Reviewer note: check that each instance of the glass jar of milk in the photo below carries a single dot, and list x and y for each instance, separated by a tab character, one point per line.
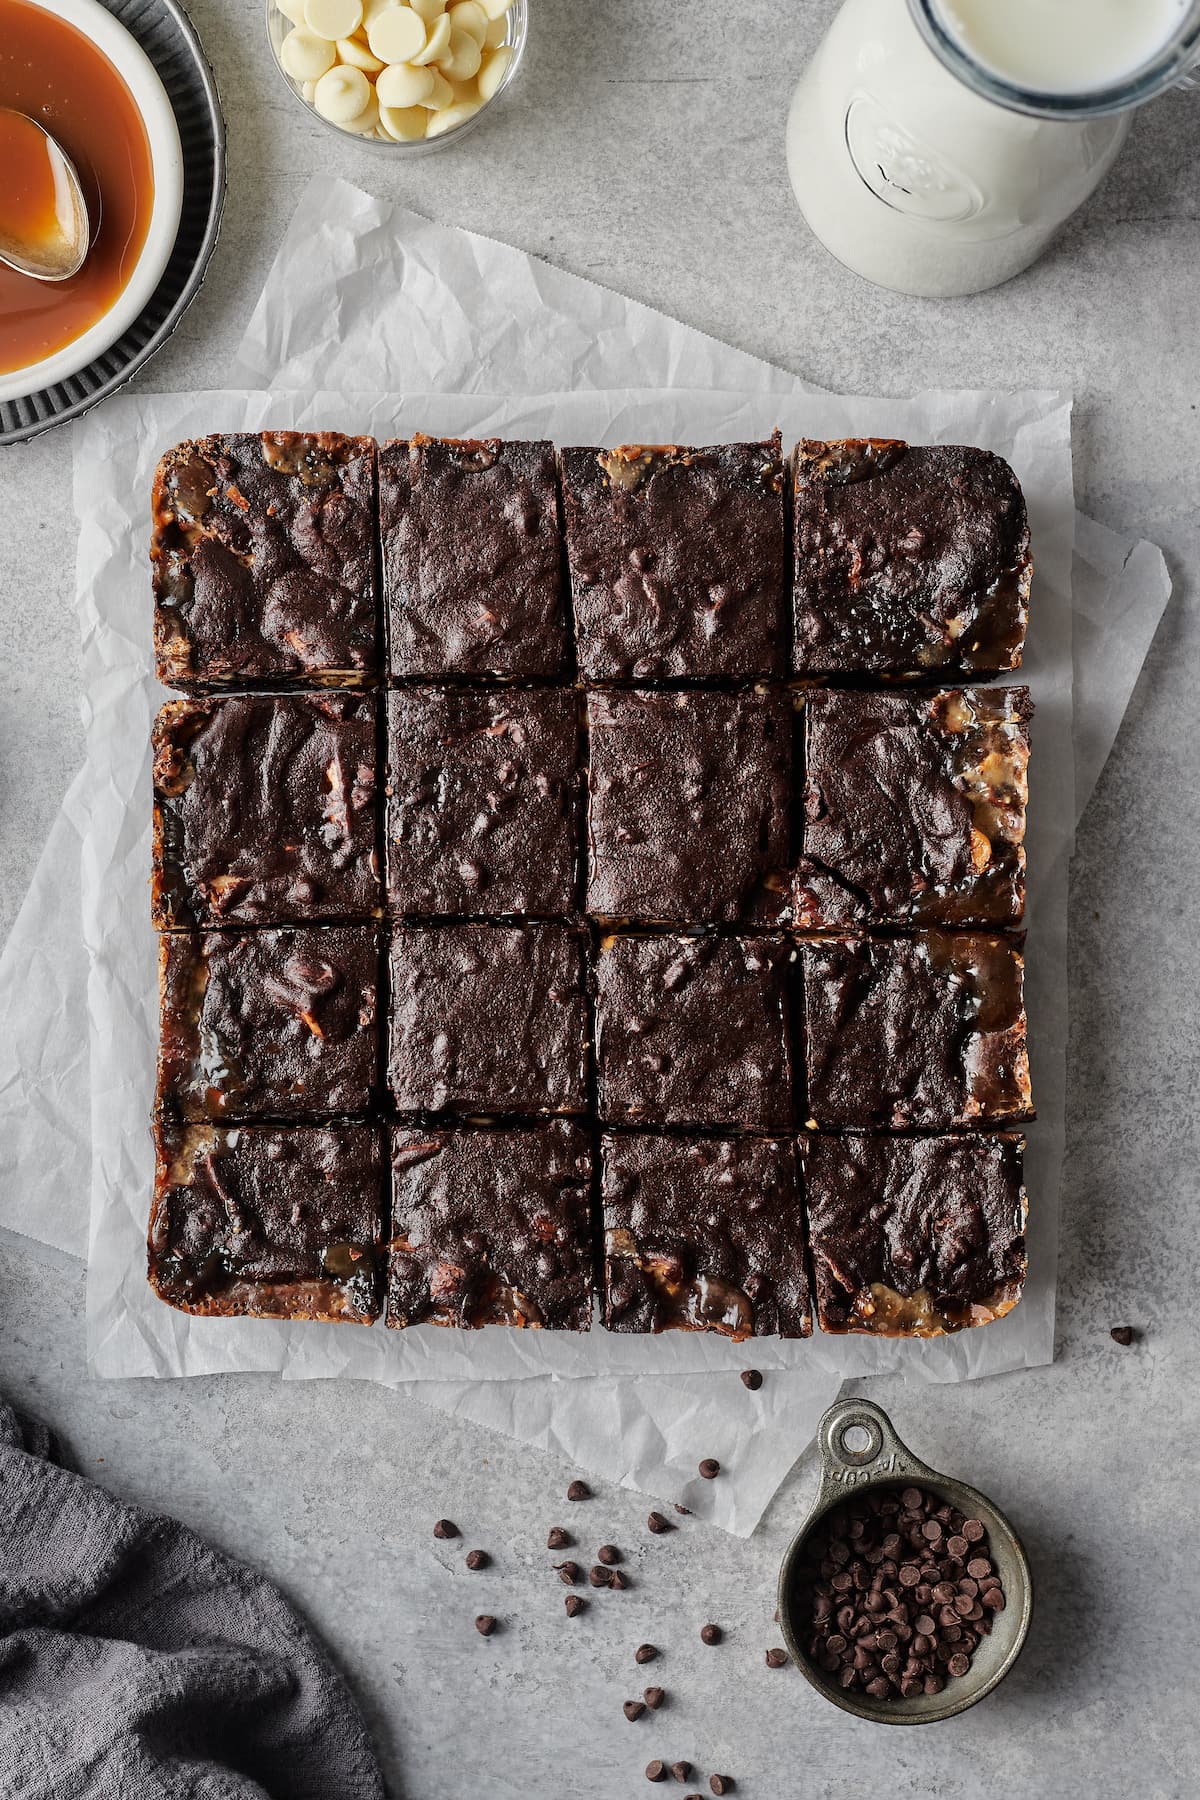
935	147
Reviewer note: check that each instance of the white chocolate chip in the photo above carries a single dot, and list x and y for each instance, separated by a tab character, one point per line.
495	9
452	116
464	58
291	9
333	19
403	123
351	50
305	56
365	122
429	10
402	86
440	95
342	94
438	44
497	31
396	35
307	90
468	16
494	69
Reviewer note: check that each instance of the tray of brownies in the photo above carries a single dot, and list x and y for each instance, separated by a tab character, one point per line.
590	884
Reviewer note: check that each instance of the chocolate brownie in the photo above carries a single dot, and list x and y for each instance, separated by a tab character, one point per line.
487	1019
268	1024
482	802
264	811
910	560
677	561
472	558
491	1228
688	806
913	1237
924	1032
704	1234
263	555
694	1031
273	1224
914	809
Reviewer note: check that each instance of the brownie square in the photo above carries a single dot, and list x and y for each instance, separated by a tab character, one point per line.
914	809
482	801
491	1228
704	1234
263	553
910	560
487	1019
915	1237
271	1224
924	1032
264	811
268	1024
472	558
688	806
694	1031
677	562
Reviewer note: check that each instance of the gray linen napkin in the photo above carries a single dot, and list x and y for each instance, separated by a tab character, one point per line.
137	1663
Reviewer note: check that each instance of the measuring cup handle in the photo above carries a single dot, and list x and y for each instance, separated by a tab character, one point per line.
883	1457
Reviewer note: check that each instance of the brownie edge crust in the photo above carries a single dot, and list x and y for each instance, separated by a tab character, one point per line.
271	1224
910	560
263	561
490	1228
704	1234
916	1237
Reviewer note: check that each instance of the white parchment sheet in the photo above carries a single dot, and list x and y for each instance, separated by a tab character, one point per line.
372	298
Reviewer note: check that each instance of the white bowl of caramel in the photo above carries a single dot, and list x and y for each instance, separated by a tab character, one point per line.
71	66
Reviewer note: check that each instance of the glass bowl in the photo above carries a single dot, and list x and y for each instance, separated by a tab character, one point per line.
517	21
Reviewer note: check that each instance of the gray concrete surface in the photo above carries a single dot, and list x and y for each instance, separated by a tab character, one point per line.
644	148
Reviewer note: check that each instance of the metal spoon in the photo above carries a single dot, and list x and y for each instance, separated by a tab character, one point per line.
61	252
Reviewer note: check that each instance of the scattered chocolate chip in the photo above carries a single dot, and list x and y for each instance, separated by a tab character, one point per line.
558	1538
574	1604
579	1490
657	1524
685	1510
645	1653
654	1697
608	1553
478	1559
445	1528
485	1624
776	1659
721	1784
633	1709
752	1378
617	1580
681	1770
1123	1335
710	1468
568	1573
598	1576
656	1771
711	1634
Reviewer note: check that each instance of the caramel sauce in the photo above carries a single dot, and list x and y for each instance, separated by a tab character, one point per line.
51	71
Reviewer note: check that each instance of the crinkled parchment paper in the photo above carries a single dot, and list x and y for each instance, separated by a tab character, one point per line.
375	306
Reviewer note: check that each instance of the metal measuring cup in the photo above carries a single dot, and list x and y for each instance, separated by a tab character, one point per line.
885	1462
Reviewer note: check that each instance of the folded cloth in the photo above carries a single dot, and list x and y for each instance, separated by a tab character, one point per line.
137	1663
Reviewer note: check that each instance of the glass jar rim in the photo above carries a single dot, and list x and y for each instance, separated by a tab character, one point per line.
1167	67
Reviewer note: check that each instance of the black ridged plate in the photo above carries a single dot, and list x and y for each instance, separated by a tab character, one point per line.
167	35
